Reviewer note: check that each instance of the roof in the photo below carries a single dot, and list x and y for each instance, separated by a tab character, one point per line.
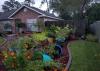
44	12
9	14
5	15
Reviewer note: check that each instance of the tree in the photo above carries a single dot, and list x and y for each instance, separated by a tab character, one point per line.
10	5
71	6
29	2
46	1
93	13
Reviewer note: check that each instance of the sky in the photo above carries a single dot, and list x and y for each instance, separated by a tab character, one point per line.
37	4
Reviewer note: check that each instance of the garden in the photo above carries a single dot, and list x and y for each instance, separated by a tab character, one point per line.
38	51
1	40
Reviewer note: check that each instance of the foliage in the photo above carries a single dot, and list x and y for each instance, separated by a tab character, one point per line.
60	32
10	5
16	62
29	2
50	50
40	65
65	15
1	40
21	62
25	40
39	36
8	62
93	13
37	55
35	66
63	32
64	6
31	59
91	38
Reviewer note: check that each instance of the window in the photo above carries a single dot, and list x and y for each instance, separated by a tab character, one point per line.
32	25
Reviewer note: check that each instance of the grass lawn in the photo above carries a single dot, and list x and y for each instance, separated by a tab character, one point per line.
85	56
1	40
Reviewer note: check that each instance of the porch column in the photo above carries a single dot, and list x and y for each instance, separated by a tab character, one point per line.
13	26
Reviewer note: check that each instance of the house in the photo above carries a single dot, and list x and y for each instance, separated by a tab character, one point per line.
27	16
96	1
95	27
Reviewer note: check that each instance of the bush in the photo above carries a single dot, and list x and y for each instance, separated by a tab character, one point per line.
39	36
60	32
91	38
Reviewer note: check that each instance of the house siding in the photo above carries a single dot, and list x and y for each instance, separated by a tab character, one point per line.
26	15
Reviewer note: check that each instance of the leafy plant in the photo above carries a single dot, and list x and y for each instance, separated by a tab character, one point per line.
10	63
63	32
50	50
59	32
39	36
41	66
37	55
35	66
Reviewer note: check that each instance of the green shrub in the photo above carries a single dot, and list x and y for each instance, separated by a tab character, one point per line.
91	38
37	55
60	32
39	36
40	65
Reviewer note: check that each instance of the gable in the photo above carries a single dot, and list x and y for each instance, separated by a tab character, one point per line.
25	12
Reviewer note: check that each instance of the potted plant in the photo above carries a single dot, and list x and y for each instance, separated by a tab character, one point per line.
51	37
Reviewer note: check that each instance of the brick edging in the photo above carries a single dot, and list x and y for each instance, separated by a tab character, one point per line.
5	40
70	58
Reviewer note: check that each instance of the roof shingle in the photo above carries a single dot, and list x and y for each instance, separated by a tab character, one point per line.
5	15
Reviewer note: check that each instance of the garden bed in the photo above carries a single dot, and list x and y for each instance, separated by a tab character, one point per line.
45	51
34	54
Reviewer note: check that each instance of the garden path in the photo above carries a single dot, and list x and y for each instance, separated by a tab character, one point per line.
8	40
